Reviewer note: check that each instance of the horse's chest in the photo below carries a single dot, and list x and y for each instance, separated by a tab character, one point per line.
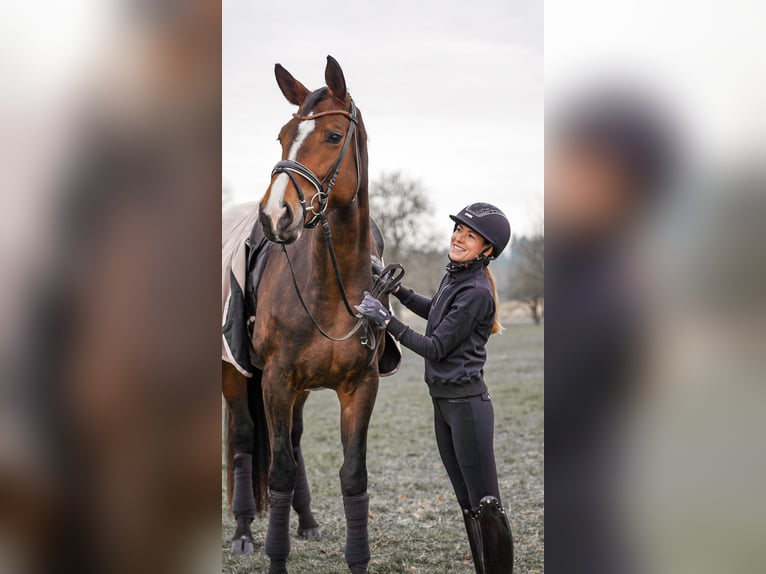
326	365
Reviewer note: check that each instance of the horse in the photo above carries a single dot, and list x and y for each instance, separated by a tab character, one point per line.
305	334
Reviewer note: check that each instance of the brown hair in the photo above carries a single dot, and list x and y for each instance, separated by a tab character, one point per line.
497	327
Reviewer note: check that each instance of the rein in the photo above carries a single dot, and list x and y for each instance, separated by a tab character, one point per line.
391	274
323	188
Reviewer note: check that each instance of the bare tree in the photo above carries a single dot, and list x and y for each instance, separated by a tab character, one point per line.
527	274
401	207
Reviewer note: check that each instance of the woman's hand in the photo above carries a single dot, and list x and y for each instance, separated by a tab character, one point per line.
374	310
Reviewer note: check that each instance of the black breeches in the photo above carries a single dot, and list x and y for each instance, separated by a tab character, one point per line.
464	434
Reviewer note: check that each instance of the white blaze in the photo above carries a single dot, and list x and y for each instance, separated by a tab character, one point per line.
274	208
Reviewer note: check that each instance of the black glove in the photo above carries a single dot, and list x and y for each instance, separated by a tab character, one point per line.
374	310
377	271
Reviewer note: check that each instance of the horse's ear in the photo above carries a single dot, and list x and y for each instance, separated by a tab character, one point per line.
333	75
294	91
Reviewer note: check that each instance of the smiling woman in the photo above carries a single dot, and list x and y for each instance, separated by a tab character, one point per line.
461	317
466	244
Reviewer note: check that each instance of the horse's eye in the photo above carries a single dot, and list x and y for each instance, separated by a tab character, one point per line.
333	137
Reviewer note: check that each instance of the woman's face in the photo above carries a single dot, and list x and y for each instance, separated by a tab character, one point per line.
465	244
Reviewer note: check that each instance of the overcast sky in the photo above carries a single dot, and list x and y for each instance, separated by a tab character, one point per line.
452	94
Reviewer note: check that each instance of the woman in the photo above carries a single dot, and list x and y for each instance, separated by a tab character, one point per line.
461	317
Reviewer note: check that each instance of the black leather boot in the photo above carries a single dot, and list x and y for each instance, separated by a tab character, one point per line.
473	529
497	540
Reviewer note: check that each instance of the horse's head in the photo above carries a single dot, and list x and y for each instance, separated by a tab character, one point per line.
320	168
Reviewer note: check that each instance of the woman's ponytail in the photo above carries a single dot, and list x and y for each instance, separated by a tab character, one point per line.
496	326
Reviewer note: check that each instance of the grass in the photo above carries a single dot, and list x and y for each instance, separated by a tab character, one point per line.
415	524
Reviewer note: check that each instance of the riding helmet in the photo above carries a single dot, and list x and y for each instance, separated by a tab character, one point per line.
489	222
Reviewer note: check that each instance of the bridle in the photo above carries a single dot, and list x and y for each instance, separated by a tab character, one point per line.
323	188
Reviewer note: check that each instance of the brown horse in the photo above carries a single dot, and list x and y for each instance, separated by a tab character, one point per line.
304	335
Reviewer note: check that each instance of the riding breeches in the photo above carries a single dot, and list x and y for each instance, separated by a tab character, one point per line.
464	433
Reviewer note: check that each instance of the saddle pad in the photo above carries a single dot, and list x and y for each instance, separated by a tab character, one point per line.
236	225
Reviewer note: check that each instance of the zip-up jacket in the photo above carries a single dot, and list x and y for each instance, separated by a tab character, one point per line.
460	318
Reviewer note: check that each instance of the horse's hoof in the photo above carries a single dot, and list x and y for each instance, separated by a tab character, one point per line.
242	545
310	533
277	567
358	569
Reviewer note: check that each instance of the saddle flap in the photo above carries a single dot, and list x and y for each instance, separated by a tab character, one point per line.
391	358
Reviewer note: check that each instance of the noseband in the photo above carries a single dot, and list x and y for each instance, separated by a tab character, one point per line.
322	187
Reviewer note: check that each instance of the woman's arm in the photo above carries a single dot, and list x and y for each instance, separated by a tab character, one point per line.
456	326
415	302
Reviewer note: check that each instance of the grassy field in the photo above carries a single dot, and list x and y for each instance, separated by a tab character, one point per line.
415	523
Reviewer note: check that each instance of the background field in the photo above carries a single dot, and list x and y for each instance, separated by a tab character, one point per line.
415	523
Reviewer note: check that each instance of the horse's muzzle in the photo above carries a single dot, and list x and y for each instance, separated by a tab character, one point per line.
286	229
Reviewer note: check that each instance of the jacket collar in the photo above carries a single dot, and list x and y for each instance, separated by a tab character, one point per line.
464	269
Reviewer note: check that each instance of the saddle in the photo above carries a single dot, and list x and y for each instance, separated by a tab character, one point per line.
245	253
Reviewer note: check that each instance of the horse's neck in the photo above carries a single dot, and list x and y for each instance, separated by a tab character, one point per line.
350	230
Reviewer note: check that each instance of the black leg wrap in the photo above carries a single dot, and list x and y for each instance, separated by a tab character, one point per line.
278	533
357	539
243	503
497	540
473	529
302	494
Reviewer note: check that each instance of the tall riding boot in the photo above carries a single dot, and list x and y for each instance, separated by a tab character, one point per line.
497	540
473	529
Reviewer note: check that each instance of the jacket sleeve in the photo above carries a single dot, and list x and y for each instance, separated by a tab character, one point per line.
415	302
457	325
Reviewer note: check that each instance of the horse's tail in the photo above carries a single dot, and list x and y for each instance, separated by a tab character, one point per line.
261	446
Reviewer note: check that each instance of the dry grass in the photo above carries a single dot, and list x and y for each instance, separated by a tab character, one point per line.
415	525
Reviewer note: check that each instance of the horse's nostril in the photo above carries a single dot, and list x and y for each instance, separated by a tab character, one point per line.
266	224
286	219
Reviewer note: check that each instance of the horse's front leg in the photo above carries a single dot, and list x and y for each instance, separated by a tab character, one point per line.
307	525
240	444
356	410
278	402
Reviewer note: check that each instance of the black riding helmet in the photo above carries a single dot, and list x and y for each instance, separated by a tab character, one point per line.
489	222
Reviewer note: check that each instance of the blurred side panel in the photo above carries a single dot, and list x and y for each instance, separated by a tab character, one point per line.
110	205
655	198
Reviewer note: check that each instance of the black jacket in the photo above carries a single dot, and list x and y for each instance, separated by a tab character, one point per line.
460	318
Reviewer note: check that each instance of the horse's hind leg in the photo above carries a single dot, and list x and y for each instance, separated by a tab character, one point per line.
307	525
240	435
356	410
